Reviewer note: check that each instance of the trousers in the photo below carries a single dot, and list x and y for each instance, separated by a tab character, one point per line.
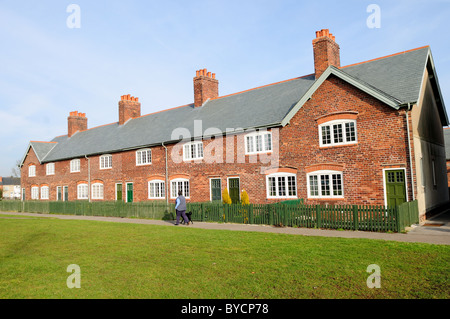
181	213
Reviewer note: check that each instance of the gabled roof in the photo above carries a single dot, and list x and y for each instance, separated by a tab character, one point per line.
395	80
41	149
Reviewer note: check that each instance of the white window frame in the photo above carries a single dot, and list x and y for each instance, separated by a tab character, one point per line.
50	169
198	151
75	165
32	171
161	186
174	192
345	138
143	157
210	184
83	191
277	185
105	161
255	139
45	190
97	191
319	175
35	192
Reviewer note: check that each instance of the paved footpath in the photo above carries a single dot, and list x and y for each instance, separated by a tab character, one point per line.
434	231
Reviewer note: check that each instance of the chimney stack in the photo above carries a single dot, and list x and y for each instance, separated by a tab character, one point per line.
76	122
326	52
205	87
129	108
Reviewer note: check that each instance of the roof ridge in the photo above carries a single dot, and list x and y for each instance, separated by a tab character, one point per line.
262	86
386	56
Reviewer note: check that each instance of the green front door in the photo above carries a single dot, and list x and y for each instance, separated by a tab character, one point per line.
395	187
119	192
233	189
129	192
216	189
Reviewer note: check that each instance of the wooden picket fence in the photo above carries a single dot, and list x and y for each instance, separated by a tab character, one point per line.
348	217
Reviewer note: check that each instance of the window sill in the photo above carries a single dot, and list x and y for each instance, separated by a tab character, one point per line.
337	146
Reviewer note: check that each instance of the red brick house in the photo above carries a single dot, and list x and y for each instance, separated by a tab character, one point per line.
367	133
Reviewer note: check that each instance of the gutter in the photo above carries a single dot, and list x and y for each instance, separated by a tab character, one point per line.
166	184
89	177
409	150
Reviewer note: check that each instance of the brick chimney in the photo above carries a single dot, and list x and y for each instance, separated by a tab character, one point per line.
129	108
205	87
76	122
326	52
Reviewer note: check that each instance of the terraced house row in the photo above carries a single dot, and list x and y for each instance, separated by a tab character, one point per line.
367	133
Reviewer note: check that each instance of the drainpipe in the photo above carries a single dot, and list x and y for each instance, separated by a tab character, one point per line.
166	182
409	149
89	177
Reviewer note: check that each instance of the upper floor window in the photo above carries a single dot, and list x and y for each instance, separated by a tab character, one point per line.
75	165
31	171
259	142
192	151
144	157
50	168
281	185
105	161
338	132
325	184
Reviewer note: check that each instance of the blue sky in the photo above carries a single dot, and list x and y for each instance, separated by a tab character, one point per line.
151	49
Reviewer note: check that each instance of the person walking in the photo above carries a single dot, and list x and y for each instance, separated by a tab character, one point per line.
180	207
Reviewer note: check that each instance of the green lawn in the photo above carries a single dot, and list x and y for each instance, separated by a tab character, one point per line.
142	261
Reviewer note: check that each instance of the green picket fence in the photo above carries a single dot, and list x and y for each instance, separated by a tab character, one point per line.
293	214
348	217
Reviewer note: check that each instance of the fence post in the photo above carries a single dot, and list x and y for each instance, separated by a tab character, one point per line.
397	219
250	214
318	217
355	217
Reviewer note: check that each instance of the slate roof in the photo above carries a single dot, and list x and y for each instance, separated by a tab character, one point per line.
7	181
397	77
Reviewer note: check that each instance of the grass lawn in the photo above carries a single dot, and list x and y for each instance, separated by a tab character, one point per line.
142	261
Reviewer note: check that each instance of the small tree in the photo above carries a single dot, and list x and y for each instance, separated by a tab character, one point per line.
245	200
226	199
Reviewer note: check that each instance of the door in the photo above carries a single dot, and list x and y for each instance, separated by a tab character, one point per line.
395	187
233	189
66	193
58	193
216	189
129	192
119	195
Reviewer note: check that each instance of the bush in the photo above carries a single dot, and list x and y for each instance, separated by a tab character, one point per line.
226	197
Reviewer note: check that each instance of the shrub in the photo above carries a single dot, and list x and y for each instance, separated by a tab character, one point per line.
226	197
